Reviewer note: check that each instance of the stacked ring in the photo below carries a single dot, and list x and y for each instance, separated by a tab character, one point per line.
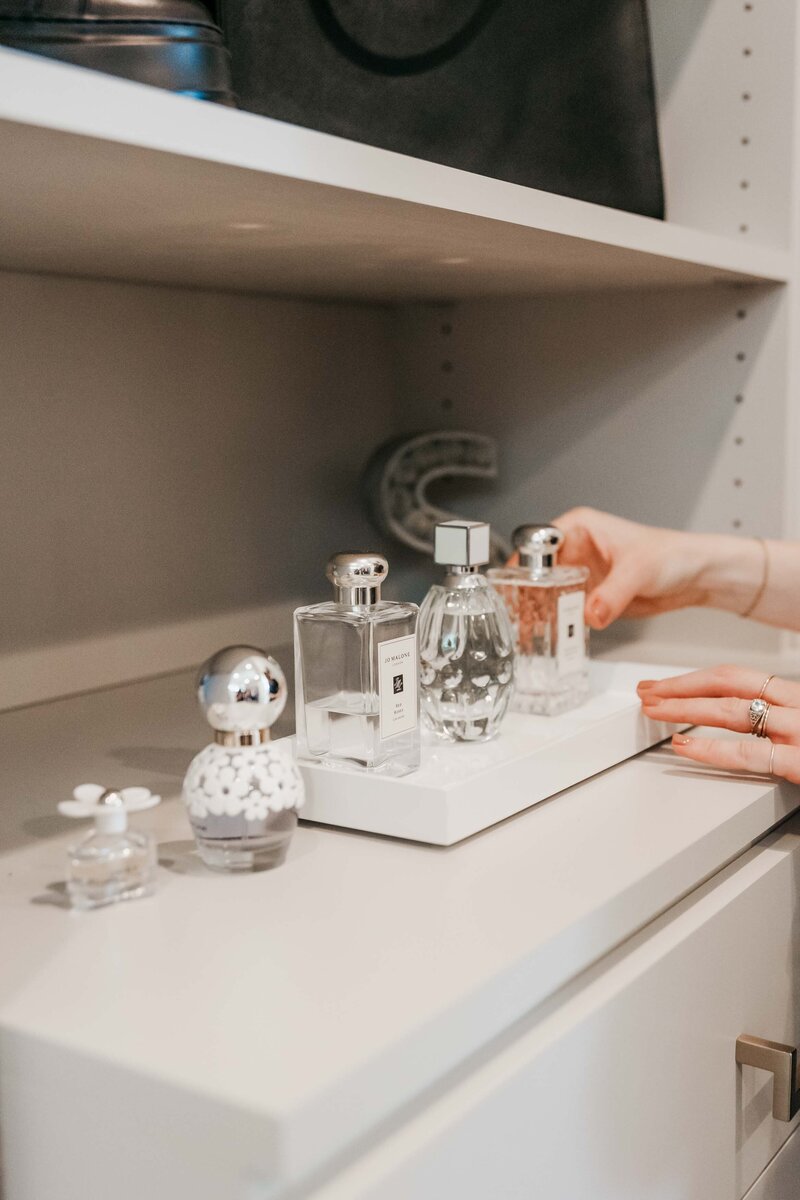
759	714
767	682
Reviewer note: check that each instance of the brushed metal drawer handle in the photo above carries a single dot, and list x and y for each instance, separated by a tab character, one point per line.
782	1062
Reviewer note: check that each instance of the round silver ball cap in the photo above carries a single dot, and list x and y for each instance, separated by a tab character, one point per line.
241	689
359	569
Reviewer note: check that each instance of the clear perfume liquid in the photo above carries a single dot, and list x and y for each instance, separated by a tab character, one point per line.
466	660
106	868
551	636
357	690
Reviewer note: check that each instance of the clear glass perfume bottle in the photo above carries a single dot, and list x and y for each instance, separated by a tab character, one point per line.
356	682
242	792
466	641
545	603
113	862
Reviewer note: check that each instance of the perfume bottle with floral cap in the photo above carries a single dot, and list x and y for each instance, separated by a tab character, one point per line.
112	862
545	602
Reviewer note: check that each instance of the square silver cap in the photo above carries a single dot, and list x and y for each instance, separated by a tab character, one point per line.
462	543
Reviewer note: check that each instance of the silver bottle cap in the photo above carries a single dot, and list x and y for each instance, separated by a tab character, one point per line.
357	577
242	691
538	546
462	545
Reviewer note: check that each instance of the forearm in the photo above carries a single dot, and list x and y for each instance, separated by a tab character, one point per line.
731	571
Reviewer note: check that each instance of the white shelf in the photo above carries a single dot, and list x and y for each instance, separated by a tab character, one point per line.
106	178
290	1011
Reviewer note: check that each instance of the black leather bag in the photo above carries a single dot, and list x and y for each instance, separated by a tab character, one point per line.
554	94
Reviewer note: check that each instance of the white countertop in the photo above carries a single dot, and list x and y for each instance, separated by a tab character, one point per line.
320	997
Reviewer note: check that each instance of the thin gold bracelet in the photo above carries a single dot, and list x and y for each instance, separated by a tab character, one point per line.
764	579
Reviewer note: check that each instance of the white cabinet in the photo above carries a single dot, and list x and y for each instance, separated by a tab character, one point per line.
626	1084
210	321
536	1003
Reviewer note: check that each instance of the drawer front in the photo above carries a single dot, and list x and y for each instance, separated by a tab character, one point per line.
628	1086
781	1180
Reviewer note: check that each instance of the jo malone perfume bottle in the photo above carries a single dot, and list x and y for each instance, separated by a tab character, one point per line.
356	658
545	603
242	792
111	863
466	641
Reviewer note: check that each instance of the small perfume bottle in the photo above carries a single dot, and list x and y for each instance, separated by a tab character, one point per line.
546	603
466	641
112	862
242	792
356	673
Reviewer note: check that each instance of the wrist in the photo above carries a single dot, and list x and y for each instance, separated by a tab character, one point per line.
730	570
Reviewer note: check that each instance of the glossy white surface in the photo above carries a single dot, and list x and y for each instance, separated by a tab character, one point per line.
148	186
463	788
636	1055
292	1011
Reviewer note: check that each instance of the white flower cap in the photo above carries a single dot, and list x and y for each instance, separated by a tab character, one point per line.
108	806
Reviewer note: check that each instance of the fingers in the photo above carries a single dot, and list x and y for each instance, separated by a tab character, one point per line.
721	681
613	596
740	756
783	724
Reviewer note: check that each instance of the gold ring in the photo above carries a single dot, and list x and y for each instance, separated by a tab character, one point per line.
767	682
761	731
771	759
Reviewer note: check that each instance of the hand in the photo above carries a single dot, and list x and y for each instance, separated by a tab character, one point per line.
634	570
721	697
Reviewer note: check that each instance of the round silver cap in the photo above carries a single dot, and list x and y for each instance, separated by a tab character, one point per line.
242	691
538	545
357	576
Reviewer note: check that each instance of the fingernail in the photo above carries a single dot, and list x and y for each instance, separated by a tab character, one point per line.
646	683
599	610
679	740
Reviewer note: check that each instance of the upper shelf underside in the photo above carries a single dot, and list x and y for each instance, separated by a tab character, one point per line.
112	179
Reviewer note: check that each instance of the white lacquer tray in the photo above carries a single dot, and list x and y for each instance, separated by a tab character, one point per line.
461	789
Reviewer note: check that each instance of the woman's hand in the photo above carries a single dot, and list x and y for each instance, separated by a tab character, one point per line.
634	570
638	570
721	697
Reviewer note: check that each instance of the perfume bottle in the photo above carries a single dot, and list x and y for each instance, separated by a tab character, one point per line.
466	641
242	792
546	603
356	673
112	862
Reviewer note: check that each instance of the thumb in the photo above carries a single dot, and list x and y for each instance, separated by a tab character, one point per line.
609	599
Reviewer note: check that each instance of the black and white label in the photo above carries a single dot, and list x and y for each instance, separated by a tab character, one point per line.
571	649
397	686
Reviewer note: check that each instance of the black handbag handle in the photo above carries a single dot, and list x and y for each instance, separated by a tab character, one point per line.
410	64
